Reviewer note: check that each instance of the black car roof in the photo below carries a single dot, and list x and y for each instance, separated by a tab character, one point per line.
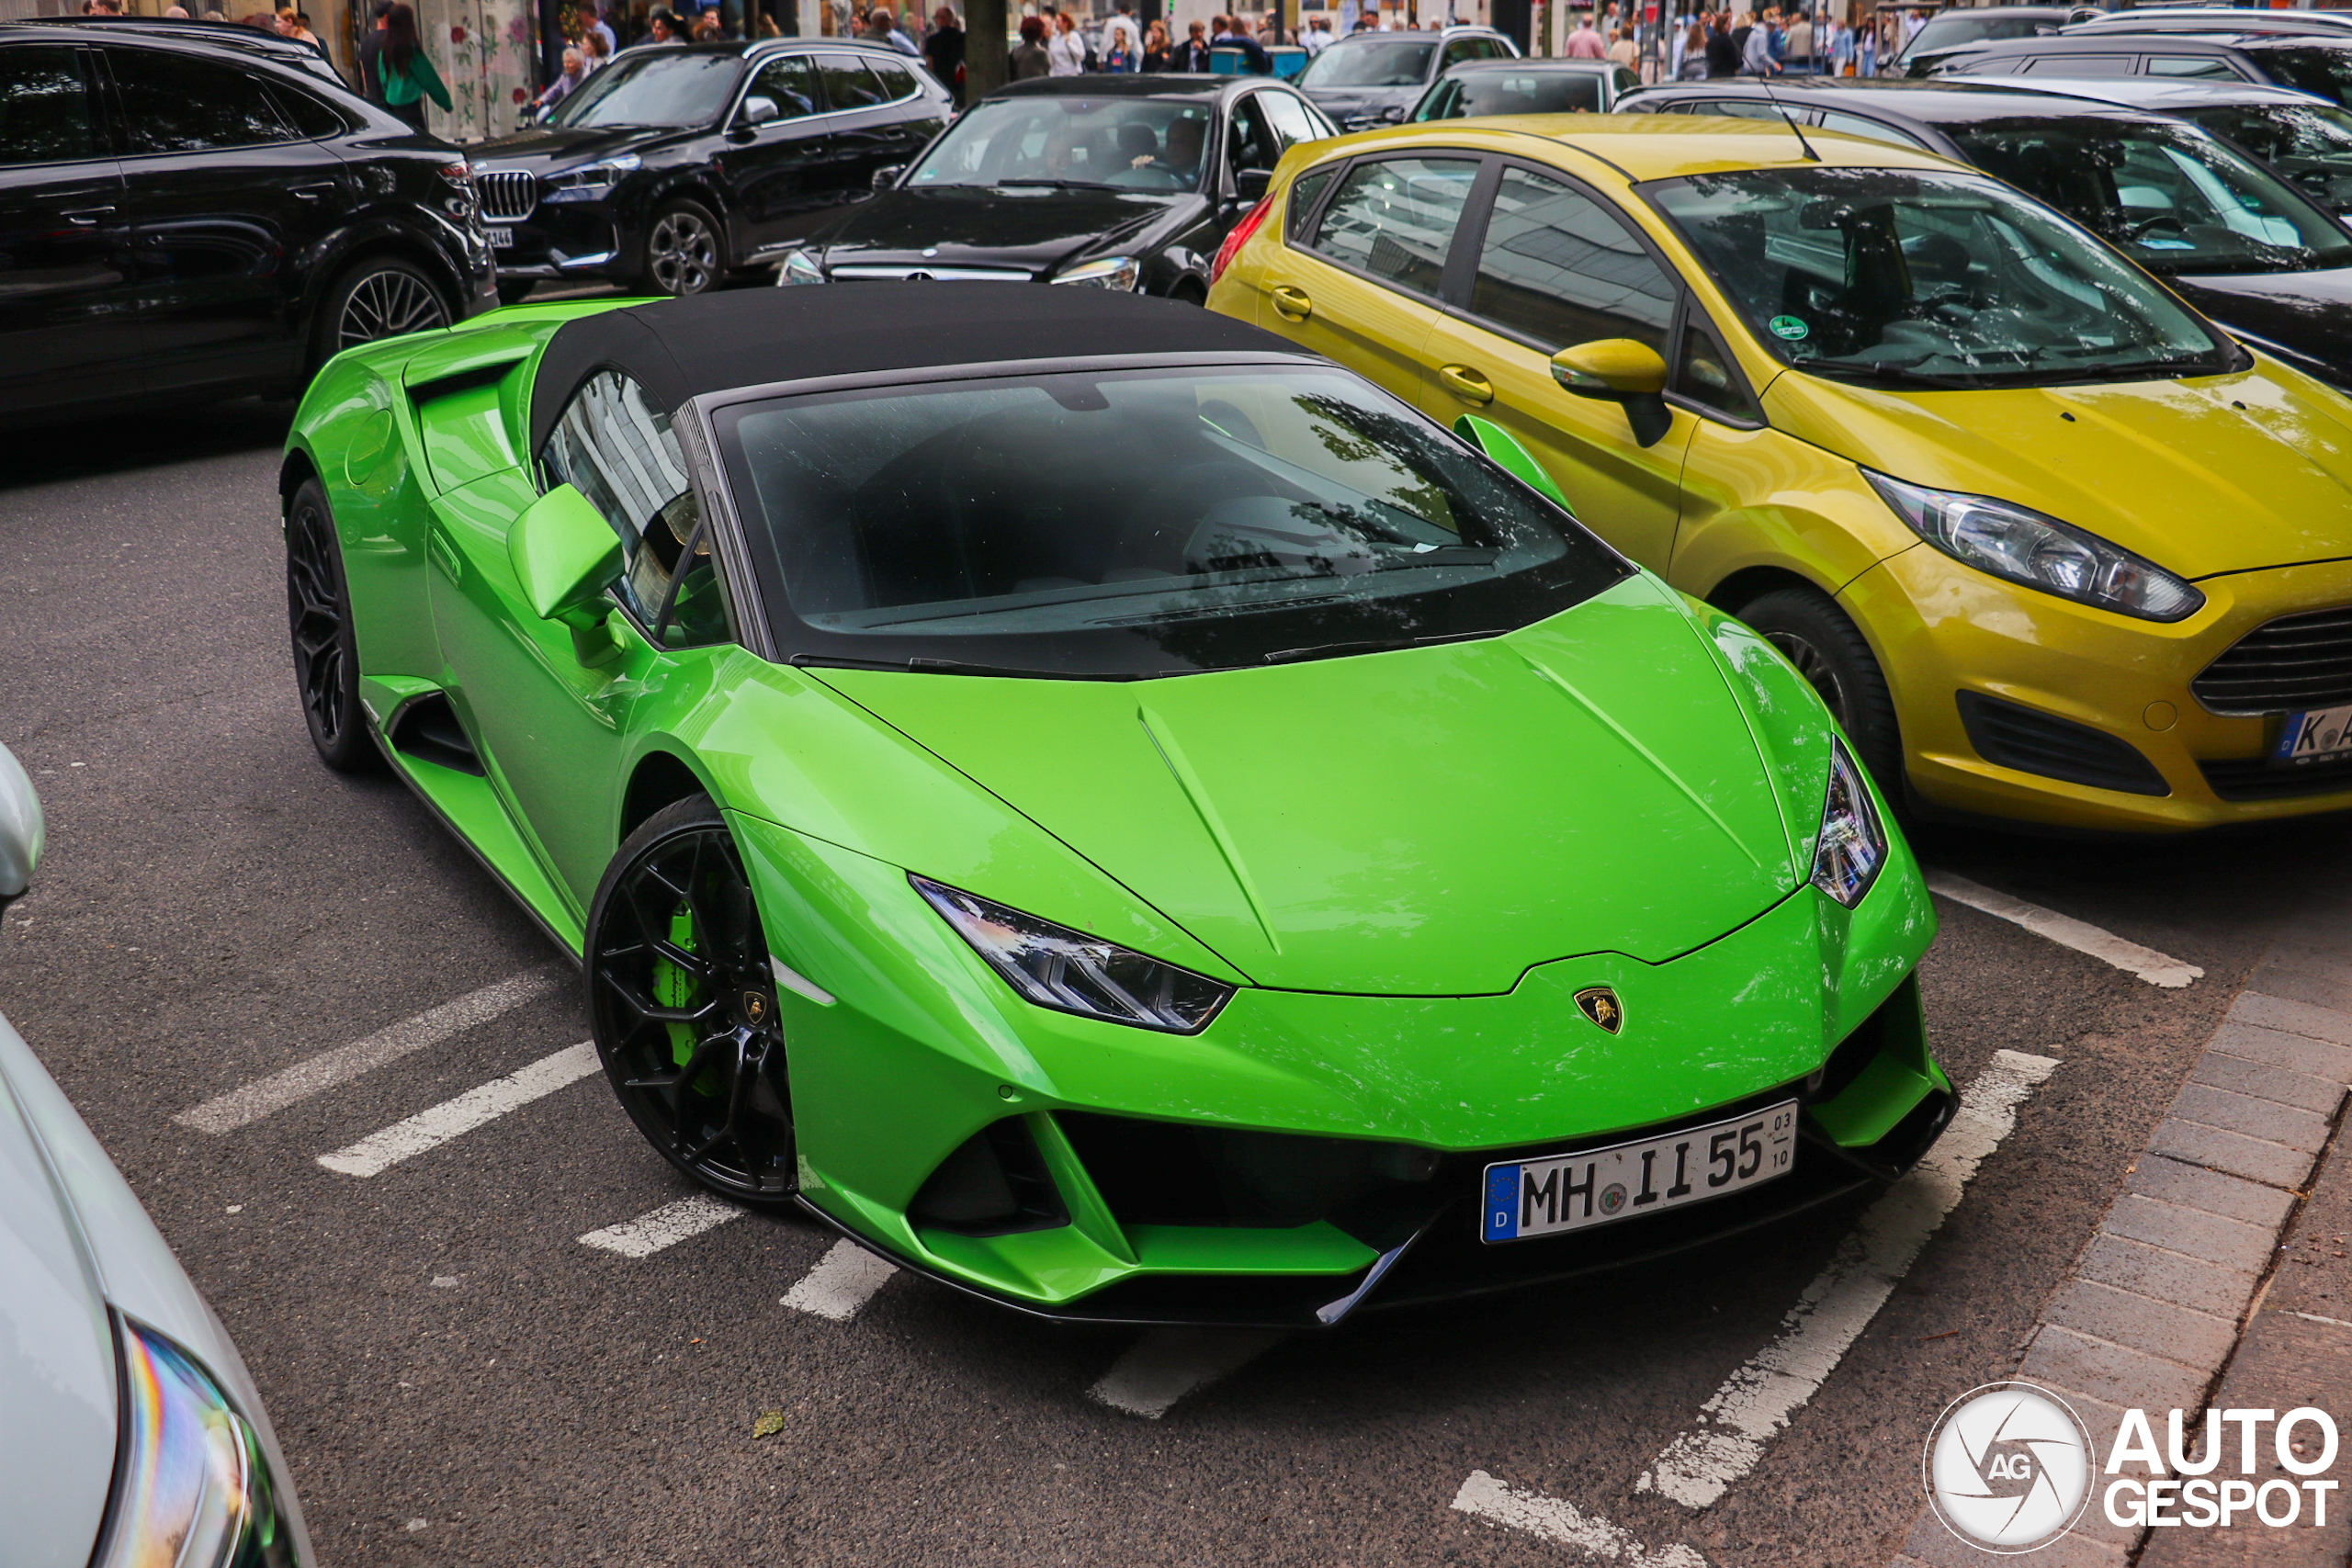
1941	101
679	349
1462	67
1160	84
228	35
2152	43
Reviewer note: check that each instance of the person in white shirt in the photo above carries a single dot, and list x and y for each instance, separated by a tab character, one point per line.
1317	36
1066	51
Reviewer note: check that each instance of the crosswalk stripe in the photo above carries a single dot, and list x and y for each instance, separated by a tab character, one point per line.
1165	1364
843	1282
476	1107
665	1227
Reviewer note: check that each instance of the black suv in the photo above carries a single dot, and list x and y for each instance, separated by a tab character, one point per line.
198	210
677	163
1368	79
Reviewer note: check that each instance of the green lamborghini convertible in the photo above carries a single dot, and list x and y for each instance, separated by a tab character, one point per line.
1108	810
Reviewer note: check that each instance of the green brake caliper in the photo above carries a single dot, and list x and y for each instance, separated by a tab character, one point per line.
674	987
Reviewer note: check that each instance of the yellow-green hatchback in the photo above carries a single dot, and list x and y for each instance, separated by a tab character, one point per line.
2054	547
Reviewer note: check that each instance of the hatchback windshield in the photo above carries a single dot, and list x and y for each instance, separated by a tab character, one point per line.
1371	62
2169	195
1139	145
1929	280
655	86
2309	143
1514	92
1136	523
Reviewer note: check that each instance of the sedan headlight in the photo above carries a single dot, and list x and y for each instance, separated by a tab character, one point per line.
1070	972
798	267
1852	846
2023	546
192	1485
591	182
1110	272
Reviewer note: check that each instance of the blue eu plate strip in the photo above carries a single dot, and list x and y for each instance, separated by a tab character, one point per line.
1501	1222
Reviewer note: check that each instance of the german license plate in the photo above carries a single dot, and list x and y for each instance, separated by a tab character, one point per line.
2317	735
1595	1187
501	239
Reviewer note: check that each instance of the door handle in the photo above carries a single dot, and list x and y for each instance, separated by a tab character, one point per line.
1467	384
85	216
444	554
1291	304
314	192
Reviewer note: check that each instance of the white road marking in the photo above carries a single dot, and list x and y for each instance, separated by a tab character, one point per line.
1757	1401
665	1227
843	1282
431	1128
1564	1524
313	1075
2315	1317
1165	1364
2157	968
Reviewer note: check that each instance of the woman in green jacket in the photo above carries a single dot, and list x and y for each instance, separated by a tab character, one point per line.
407	71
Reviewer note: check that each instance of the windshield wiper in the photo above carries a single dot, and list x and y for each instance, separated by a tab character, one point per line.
1050	184
1886	370
1375	644
919	665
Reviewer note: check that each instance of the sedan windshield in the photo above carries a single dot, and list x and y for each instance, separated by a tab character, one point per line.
2309	143
2169	195
1514	92
654	86
1950	29
1929	280
1130	524
2310	68
1371	62
1139	145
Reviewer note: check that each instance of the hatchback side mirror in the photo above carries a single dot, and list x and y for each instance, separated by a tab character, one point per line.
20	829
1619	370
565	555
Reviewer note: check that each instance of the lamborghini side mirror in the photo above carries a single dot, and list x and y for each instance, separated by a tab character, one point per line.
565	555
1621	371
20	829
1504	449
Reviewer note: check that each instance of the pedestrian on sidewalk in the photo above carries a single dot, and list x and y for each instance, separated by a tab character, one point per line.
1066	51
1722	53
1159	54
1584	43
1030	57
1121	45
942	50
409	75
1192	56
371	46
1624	52
575	71
1756	52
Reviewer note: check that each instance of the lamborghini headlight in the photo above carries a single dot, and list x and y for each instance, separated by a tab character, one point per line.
192	1485
1852	844
1122	272
798	267
2023	546
591	182
1071	972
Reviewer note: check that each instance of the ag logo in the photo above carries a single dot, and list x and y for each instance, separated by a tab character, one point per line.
1600	1004
2007	1467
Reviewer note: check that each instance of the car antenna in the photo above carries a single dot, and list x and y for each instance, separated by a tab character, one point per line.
1789	119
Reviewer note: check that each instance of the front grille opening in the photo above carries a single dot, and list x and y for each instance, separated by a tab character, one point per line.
2008	734
2295	661
428	730
2254	778
994	1184
1170	1173
508	196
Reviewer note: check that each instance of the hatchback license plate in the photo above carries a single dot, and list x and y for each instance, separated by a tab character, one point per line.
1594	1187
501	239
2316	735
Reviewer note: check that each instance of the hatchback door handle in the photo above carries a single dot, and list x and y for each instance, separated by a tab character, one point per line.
1467	384
86	216
1292	304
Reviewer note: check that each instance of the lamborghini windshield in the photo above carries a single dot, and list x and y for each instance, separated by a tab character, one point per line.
1929	280
1135	523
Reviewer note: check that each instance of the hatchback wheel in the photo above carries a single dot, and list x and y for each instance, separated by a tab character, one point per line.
1814	635
684	1008
682	250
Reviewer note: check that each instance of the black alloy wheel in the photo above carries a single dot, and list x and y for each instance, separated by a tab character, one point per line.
326	662
1811	633
684	1008
682	251
380	297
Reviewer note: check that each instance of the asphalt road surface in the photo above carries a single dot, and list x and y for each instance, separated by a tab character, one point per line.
458	1377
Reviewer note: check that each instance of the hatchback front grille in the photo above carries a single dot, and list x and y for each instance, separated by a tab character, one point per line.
2295	661
2011	735
2252	778
508	196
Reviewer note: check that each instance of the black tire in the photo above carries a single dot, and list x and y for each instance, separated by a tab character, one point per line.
318	612
684	1010
1813	634
514	290
1188	292
685	250
378	297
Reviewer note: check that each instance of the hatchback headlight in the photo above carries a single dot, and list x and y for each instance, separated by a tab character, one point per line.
192	1485
1852	844
1111	272
2020	543
591	182
798	268
1070	972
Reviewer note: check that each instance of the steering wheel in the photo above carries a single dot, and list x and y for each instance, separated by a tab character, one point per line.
2131	231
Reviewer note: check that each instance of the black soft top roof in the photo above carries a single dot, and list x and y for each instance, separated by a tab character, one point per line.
679	349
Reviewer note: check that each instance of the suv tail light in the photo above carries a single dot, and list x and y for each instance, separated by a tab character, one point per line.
1240	237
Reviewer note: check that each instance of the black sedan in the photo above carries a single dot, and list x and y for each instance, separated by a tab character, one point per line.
192	210
675	165
2233	239
1115	182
